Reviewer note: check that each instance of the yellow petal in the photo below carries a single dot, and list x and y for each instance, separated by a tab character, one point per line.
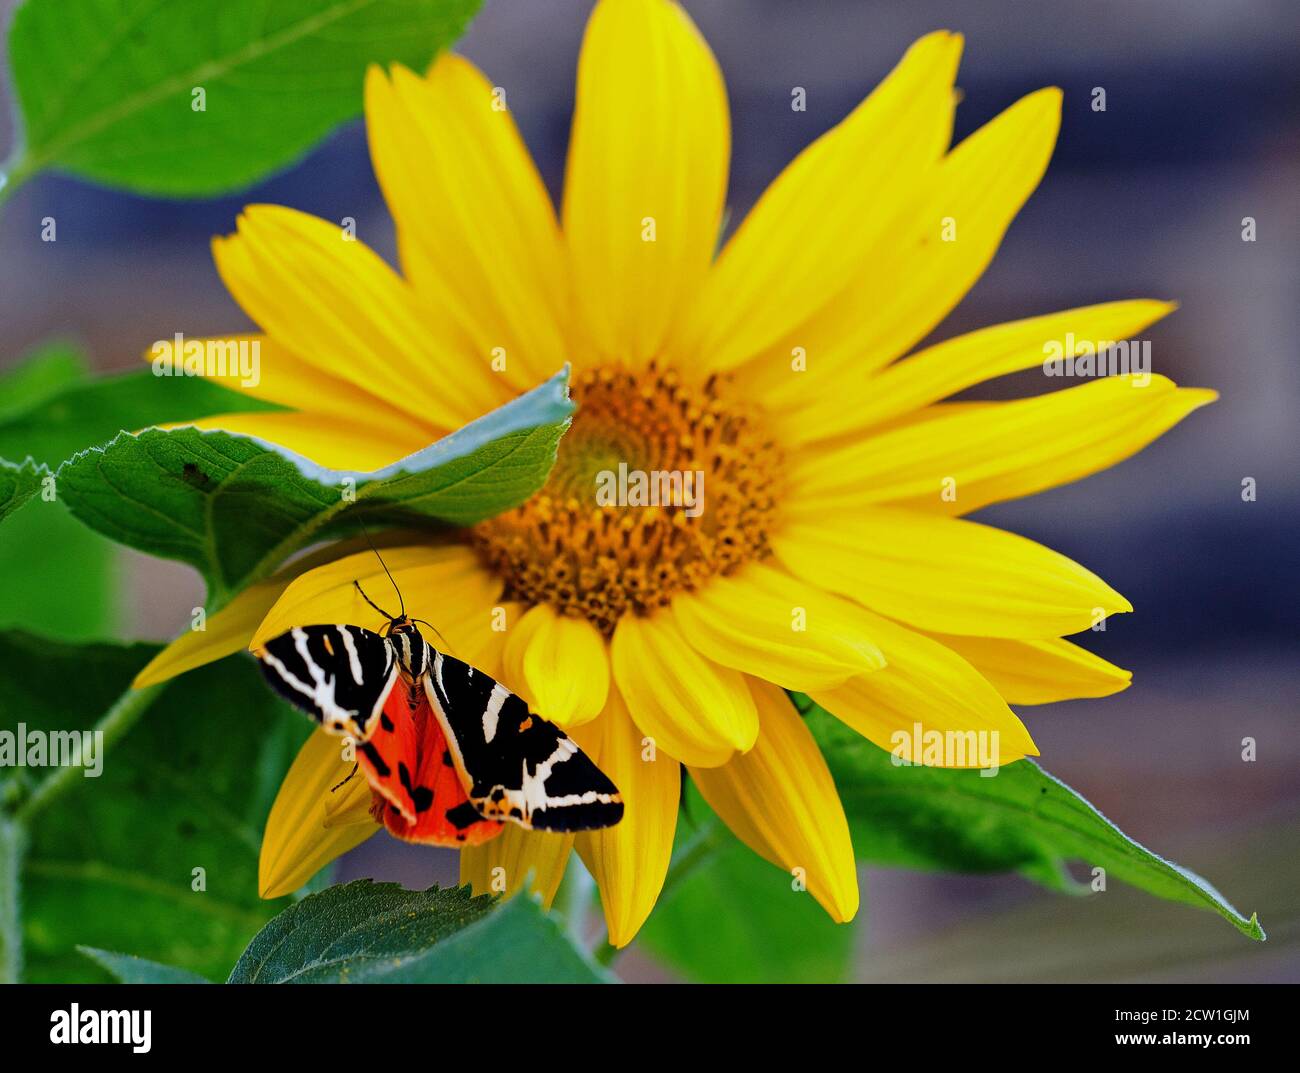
828	214
311	821
1039	671
695	709
765	623
962	458
223	634
481	635
516	859
946	574
261	368
955	222
231	629
630	860
647	172
336	304
478	237
443	583
561	665
780	801
926	684
323	438
956	364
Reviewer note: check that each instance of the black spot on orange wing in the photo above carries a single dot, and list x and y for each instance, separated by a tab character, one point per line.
376	760
390	755
441	812
462	816
421	796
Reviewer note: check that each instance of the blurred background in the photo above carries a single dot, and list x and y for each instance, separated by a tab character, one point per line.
1146	199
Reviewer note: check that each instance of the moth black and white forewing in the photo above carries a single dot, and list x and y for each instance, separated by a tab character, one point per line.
339	675
514	764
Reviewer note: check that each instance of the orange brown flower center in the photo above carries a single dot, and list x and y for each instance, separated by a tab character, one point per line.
658	487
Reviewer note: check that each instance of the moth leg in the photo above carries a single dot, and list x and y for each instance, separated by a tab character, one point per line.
351	775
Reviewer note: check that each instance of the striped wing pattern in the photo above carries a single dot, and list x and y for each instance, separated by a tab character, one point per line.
339	675
515	765
407	762
511	764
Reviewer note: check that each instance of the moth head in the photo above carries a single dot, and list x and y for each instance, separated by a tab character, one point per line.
412	649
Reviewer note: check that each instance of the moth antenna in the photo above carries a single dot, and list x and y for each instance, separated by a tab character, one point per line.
400	601
371	602
435	630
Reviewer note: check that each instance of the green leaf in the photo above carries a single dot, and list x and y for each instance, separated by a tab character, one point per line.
58	574
133	970
39	375
88	413
50	410
758	929
18	483
1021	820
235	507
364	932
111	859
107	88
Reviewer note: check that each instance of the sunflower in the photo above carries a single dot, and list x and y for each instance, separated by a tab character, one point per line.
829	556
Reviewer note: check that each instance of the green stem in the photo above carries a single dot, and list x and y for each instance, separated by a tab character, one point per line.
13	829
606	953
120	718
13	845
691	855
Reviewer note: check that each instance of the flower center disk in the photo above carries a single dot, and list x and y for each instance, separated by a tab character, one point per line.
588	545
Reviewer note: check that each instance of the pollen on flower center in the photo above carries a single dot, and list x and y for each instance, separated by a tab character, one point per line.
643	433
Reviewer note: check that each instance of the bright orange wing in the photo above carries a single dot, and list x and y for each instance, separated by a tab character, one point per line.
408	765
392	755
